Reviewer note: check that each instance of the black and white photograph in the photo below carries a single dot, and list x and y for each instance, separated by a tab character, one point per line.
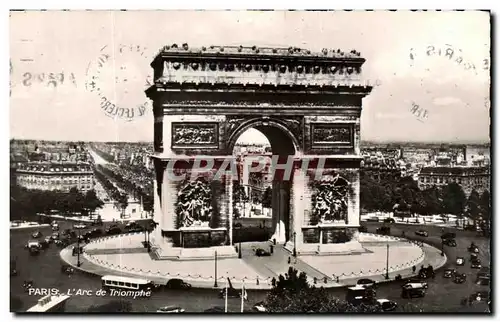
250	161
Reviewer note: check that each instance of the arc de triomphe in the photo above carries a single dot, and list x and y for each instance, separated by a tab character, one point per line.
307	104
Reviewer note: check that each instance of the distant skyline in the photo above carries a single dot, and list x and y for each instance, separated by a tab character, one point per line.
393	43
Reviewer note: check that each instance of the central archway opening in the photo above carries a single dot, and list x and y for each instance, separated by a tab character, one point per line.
261	197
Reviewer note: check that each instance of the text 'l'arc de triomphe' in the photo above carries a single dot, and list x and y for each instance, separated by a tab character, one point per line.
307	104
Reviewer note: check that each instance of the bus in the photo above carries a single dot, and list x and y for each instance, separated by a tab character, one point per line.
113	282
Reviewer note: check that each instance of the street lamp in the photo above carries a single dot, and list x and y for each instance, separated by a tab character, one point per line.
294	244
215	281
387	264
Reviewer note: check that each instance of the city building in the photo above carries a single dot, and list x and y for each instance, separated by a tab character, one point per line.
55	176
469	178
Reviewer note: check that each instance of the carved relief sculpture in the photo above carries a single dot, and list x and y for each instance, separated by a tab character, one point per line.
194	134
194	204
329	201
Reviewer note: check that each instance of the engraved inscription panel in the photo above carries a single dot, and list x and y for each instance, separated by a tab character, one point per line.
332	134
192	134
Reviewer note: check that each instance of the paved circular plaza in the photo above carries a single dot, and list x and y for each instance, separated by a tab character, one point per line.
126	255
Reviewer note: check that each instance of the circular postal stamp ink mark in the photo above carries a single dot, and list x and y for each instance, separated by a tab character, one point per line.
118	76
433	84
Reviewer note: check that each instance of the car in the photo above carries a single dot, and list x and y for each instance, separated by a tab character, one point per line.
363	229
422	233
482	296
131	224
358	294
36	234
384	230
215	309
460	261
54	236
473	249
450	242
386	305
44	244
389	220
79	226
177	284
366	282
259	307
170	309
374	219
459	278
113	230
411	290
475	264
470	228
417	282
473	256
55	227
48	239
96	232
483	280
136	229
261	252
449	272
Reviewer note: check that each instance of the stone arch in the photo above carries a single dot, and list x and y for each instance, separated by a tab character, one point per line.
283	141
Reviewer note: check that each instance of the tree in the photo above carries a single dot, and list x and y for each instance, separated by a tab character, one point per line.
91	202
453	199
267	197
293	294
115	306
473	206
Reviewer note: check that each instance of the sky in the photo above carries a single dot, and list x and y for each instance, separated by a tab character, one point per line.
452	98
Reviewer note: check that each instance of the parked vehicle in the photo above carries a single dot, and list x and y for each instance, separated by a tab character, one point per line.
483	280
475	264
136	229
177	284
473	256
422	233
365	282
261	252
450	242
416	281
358	294
384	230
170	309
426	272
372	219
115	230
80	226
411	290
473	248
54	236
389	220
387	305
96	232
130	224
449	272
460	261
55	227
363	229
460	278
